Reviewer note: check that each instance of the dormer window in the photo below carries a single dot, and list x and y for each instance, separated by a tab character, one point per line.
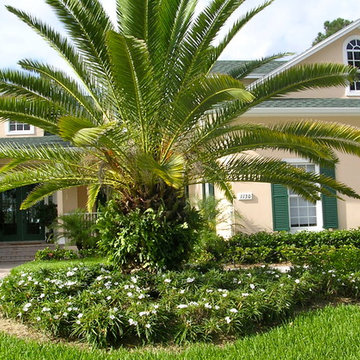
18	128
353	59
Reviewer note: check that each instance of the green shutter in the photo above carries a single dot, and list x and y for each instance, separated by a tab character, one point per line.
211	190
207	190
280	204
329	203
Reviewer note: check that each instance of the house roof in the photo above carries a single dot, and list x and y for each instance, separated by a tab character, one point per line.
304	55
311	102
34	141
307	107
226	66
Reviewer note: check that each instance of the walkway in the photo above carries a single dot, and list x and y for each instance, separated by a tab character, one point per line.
5	267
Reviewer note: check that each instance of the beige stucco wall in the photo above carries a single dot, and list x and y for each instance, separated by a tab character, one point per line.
257	213
333	53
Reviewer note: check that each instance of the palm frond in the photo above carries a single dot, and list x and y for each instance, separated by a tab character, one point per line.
303	77
236	27
36	113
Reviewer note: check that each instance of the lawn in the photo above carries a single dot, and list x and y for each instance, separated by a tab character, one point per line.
330	333
55	265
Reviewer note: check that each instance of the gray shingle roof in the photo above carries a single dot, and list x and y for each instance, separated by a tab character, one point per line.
225	66
311	103
35	141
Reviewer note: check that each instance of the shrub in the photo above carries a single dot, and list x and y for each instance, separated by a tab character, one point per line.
104	307
78	229
55	254
302	239
147	239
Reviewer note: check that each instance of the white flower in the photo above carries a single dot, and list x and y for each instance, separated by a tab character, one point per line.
65	314
143	313
108	297
38	318
156	306
134	279
209	291
129	294
208	306
56	317
228	320
233	310
297	281
262	290
182	306
190	280
133	322
56	301
78	322
42	296
70	273
69	309
112	317
224	294
182	291
27	306
141	296
252	286
245	294
80	316
45	309
148	326
216	307
193	303
115	309
167	281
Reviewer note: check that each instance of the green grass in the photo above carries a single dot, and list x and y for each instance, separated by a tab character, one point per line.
56	264
327	334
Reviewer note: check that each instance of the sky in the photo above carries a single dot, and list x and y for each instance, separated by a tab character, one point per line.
285	26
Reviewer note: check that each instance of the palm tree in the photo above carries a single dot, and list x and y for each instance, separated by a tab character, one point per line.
146	116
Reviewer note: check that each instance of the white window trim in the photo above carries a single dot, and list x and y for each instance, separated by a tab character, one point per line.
18	132
319	211
349	92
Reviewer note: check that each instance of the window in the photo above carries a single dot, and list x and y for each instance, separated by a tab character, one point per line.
293	213
353	59
18	128
304	215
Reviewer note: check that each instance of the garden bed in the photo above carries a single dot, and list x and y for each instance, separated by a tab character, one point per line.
104	307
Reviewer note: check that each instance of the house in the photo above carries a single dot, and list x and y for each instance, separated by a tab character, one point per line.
272	207
262	206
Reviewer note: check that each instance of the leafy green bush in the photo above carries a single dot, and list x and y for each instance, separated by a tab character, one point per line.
302	239
79	229
55	254
146	239
104	307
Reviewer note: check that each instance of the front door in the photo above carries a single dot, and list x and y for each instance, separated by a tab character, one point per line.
16	224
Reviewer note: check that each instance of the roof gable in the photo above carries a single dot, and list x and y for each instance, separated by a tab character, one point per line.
314	49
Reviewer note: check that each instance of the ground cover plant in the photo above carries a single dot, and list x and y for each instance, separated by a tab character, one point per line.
145	113
332	333
100	305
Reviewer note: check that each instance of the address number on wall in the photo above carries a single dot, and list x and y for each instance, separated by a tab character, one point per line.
245	196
